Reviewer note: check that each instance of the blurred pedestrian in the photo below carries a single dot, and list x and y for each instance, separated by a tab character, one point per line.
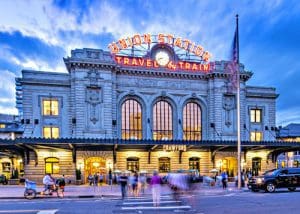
155	184
123	183
224	179
91	179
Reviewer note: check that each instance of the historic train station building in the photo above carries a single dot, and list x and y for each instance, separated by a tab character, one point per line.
154	103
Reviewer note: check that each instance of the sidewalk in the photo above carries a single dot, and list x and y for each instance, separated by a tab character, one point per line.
85	191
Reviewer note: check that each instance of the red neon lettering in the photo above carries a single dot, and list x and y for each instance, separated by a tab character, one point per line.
206	67
147	38
137	39
126	61
148	63
170	39
114	48
171	65
161	38
155	64
141	61
134	62
118	58
186	44
187	66
123	43
180	64
178	42
194	67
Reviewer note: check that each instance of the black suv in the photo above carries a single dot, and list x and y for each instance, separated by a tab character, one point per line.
276	178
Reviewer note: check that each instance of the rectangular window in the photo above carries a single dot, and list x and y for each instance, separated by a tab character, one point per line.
50	107
255	136
255	115
51	132
2	126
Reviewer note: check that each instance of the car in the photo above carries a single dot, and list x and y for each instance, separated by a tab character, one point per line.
277	178
3	179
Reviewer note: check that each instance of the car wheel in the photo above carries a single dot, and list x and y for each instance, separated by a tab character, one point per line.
292	189
270	187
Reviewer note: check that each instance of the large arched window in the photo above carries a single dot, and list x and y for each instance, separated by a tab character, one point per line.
192	122
131	120
51	165
162	121
133	164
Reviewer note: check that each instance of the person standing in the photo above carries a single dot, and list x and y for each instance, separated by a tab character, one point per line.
155	184
123	182
224	179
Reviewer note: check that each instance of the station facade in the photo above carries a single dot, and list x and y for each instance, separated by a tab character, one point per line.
160	104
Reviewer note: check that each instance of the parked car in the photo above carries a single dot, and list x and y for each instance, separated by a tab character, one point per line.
3	179
277	178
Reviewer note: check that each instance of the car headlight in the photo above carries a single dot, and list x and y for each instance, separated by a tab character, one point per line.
260	180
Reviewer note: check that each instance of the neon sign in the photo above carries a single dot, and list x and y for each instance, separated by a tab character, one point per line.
147	39
150	63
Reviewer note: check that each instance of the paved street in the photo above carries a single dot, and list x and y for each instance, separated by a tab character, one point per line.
202	201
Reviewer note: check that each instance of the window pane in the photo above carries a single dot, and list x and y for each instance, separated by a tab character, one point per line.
258	116
55	132
55	168
192	121
131	120
54	107
162	121
46	107
47	132
164	164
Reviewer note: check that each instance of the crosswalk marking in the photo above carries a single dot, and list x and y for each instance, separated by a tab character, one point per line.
156	208
47	211
149	202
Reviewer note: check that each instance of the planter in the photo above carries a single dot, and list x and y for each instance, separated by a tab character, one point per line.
13	181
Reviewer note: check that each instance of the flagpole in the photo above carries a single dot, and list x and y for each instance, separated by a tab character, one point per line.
238	107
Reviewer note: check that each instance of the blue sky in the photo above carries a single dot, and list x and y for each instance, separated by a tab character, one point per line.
38	34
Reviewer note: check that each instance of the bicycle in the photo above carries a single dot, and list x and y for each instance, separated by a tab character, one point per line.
31	192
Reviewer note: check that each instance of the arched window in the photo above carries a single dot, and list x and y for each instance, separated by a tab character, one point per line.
51	165
164	164
131	120
162	121
133	164
192	122
194	163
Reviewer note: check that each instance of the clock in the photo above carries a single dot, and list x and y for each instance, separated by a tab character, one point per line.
162	57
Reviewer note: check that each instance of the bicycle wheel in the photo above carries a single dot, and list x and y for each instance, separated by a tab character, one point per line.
29	194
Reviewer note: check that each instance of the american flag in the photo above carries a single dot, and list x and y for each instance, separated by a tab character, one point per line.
232	66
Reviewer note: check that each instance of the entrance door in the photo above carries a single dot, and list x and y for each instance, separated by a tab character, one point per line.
256	166
95	165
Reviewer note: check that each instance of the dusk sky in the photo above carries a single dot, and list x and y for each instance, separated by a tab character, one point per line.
37	35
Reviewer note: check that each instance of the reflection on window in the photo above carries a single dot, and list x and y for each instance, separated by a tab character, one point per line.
255	115
6	166
164	164
51	132
192	121
255	136
50	107
194	163
162	121
131	120
2	126
133	164
51	166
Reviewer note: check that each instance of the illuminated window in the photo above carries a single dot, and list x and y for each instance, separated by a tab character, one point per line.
255	136
51	165
194	163
162	121
50	107
164	164
6	166
2	126
131	120
51	132
191	121
255	115
133	164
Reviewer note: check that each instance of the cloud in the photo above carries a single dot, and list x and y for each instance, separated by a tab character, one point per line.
288	115
7	92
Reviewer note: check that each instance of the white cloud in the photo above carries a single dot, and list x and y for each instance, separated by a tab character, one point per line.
7	95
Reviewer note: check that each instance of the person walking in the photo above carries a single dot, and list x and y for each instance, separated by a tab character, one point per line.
123	183
155	184
224	179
